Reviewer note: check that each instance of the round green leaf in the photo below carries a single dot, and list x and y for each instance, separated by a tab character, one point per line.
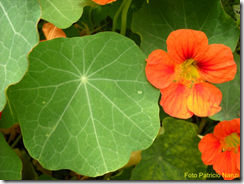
85	103
18	36
230	103
173	155
10	164
157	19
63	13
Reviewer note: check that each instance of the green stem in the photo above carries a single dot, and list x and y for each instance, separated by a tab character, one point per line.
201	126
90	16
16	141
124	17
117	15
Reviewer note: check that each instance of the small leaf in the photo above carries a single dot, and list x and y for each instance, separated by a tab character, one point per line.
46	177
157	19
72	31
28	171
85	103
8	117
125	174
173	155
63	13
230	96
100	13
18	36
10	164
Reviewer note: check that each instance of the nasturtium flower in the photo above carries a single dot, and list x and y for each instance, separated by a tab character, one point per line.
0	114
222	149
51	31
184	74
103	2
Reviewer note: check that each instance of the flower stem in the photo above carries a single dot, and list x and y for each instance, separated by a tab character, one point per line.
117	15
201	126
124	17
90	16
16	141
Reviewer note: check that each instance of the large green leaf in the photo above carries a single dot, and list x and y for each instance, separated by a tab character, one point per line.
63	13
157	19
18	35
230	96
85	103
174	155
10	164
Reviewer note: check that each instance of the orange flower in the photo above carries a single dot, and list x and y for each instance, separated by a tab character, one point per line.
222	149
103	2
183	74
0	114
51	31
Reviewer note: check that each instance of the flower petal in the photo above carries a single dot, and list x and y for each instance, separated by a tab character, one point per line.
226	128
210	147
238	162
226	166
218	65
204	99
185	44
173	100
103	2
50	31
160	69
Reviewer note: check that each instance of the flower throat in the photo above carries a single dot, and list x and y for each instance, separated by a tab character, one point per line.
188	73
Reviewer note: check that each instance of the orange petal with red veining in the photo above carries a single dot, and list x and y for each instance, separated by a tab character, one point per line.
184	44
50	31
160	69
210	147
226	166
173	100
204	99
103	2
218	65
226	128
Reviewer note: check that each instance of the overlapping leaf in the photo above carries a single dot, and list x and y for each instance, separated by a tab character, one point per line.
157	19
63	13
8	117
18	36
10	164
173	155
230	96
85	103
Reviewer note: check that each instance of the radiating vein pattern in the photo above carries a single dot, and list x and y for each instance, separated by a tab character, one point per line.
89	103
18	36
171	153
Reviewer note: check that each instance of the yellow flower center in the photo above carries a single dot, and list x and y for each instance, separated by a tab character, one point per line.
187	72
230	142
